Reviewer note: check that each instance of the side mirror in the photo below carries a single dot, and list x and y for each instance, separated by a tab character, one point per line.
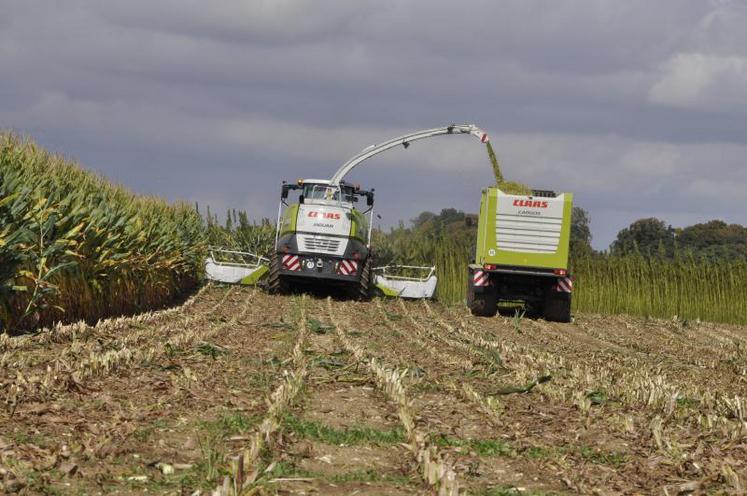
300	199
284	191
370	198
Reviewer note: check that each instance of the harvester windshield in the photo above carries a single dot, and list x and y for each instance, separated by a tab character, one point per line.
328	193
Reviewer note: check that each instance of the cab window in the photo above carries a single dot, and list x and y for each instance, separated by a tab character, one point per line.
321	192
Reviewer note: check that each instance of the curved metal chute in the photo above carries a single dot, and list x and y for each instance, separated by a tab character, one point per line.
405	141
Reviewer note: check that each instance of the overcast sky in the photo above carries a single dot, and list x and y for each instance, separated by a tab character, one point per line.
638	107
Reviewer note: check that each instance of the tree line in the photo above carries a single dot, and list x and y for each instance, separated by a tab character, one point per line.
711	241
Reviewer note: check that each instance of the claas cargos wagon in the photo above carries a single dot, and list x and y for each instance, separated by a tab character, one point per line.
522	253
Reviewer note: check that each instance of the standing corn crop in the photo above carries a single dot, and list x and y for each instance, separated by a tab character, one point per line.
72	245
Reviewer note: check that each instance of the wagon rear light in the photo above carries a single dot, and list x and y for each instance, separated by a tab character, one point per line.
560	272
490	266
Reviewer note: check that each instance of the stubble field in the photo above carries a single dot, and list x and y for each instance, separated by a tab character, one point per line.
240	391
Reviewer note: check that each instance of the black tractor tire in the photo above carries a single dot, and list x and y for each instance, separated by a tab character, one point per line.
275	282
483	304
362	289
557	307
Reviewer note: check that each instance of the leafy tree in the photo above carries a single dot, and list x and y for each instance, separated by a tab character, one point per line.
424	220
714	240
580	234
430	222
450	215
649	237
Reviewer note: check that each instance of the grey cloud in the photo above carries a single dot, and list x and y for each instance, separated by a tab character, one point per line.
277	21
217	102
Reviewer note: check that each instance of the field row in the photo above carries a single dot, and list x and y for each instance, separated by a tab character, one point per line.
237	391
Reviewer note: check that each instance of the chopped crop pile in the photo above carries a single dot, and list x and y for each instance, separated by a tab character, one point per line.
72	245
238	389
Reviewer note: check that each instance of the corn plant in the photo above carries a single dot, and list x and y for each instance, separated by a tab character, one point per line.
238	233
516	321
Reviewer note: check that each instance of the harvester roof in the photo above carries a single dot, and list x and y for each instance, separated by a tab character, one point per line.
313	181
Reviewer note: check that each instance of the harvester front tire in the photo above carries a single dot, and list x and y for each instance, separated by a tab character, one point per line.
482	304
363	287
557	306
275	285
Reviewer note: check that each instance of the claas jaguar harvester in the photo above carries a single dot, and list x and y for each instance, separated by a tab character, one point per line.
324	239
522	253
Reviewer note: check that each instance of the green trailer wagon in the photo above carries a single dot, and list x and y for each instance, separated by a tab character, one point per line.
522	253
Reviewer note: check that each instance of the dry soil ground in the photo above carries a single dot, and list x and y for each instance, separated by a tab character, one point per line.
384	397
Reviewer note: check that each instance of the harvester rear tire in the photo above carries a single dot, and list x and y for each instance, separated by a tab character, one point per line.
482	304
557	306
275	283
